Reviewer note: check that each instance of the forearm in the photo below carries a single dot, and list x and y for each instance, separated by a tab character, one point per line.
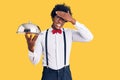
73	21
35	55
82	33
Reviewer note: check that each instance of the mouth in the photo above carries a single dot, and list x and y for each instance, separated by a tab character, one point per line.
59	25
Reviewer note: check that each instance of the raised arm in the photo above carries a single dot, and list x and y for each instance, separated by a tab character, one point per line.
82	34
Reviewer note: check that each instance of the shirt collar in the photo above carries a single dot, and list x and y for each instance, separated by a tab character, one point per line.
50	29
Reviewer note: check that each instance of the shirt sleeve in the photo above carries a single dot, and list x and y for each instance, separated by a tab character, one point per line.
35	56
82	34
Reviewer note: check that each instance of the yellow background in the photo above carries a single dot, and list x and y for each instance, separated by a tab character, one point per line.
96	60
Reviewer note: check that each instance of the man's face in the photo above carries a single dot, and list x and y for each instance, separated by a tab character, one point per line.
58	22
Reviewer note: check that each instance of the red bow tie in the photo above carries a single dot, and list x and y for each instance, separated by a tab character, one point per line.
56	31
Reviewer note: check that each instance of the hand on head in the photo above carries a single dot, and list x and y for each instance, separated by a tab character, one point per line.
66	16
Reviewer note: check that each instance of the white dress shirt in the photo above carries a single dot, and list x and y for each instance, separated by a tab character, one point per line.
55	45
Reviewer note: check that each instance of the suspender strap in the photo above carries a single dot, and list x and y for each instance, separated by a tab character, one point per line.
46	47
64	47
64	38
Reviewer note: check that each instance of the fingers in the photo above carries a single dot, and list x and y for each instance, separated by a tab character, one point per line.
65	15
26	36
60	13
35	37
30	36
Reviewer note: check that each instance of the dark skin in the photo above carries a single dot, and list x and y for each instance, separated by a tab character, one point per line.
58	22
66	16
31	41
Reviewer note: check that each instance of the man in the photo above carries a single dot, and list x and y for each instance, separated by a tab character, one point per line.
55	44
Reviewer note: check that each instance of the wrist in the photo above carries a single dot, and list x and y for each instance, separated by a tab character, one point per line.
31	49
73	21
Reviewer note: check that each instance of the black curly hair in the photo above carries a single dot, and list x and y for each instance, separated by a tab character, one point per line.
60	7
